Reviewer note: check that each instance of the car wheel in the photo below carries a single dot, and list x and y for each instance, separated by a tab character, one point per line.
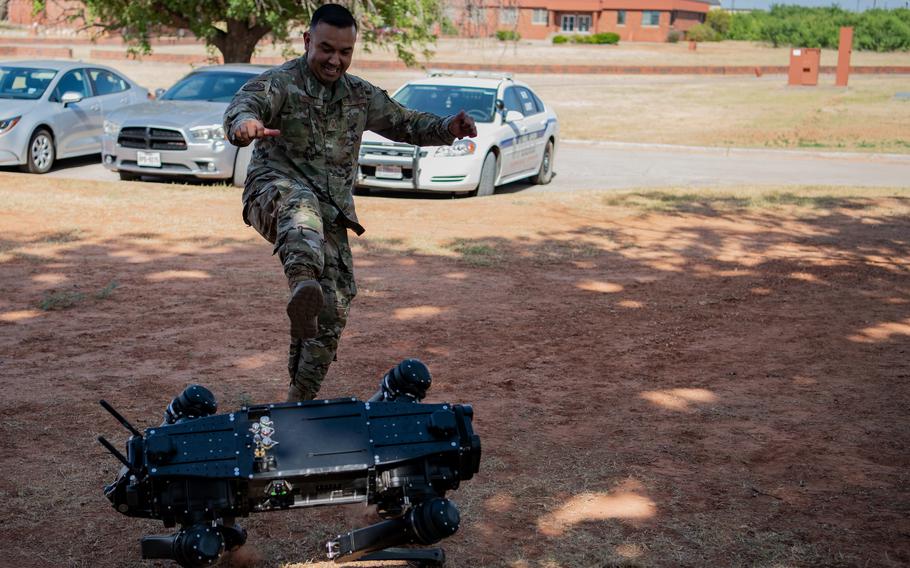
487	183
545	173
241	164
128	176
41	152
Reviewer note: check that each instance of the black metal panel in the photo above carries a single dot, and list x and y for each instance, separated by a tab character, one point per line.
401	431
319	438
215	446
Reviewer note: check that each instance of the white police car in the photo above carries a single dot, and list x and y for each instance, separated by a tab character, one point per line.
517	136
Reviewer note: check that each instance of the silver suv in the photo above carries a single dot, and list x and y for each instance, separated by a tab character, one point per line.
180	134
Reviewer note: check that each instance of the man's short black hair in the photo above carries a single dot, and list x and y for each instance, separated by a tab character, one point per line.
335	15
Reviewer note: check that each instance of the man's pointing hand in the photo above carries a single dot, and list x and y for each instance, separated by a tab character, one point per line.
249	130
462	126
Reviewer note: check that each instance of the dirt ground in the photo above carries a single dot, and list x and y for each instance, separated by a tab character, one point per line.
659	378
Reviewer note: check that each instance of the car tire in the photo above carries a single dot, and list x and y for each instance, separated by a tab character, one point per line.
128	176
40	152
241	164
545	173
487	184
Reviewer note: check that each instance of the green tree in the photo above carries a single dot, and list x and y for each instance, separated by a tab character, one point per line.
234	27
720	21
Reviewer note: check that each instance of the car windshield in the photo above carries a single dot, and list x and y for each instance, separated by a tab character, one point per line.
444	100
24	82
208	86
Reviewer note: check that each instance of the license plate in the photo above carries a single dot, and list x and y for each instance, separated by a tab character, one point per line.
149	159
388	172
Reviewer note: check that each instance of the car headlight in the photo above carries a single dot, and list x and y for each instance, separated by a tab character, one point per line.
459	148
7	124
111	128
206	133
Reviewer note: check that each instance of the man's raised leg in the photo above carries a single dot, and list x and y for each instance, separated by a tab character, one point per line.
309	360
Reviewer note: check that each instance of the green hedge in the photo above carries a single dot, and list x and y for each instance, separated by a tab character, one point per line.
703	32
873	30
606	38
507	35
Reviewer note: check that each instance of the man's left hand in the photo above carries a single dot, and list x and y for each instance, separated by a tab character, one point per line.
462	126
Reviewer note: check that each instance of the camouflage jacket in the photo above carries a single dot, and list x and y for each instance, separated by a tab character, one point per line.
321	128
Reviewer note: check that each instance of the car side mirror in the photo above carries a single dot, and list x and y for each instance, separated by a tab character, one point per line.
158	92
70	97
514	116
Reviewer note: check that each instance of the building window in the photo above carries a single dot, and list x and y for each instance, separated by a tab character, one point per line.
650	18
508	15
621	18
477	15
568	23
540	17
584	23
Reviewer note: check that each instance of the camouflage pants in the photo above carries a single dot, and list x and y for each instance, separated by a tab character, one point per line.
311	245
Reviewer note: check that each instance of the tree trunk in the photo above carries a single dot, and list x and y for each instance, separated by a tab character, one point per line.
239	42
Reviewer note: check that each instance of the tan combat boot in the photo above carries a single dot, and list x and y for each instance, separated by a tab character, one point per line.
296	394
303	309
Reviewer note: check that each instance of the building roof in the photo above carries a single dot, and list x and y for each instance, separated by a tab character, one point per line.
598	5
661	5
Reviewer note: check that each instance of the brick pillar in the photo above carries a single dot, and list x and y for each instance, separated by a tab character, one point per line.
844	49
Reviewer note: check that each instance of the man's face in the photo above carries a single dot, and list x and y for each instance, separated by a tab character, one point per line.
329	50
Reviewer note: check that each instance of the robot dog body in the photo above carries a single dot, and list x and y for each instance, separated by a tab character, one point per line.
203	472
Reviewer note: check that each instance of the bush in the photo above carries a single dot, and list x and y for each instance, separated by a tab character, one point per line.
560	39
881	30
674	36
874	30
507	35
702	32
606	38
720	21
447	27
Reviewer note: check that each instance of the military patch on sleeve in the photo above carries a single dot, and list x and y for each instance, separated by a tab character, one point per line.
254	86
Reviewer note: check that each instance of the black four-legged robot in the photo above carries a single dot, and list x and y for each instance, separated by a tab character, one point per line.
202	471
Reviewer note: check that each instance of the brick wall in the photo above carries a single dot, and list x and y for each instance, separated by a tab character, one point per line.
602	14
685	20
601	21
634	29
54	13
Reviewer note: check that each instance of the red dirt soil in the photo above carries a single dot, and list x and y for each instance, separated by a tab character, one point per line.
709	385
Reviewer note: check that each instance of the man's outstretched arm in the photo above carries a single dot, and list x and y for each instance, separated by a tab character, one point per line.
389	118
252	108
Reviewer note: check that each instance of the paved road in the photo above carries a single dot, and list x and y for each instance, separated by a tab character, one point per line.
616	165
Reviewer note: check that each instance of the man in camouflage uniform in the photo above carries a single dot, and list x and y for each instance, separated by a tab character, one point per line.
309	116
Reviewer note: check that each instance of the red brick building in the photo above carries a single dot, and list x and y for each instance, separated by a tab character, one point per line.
55	12
633	20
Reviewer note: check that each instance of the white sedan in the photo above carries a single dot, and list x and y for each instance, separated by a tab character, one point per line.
517	135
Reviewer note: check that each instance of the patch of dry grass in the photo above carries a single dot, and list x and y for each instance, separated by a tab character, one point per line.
732	111
817	200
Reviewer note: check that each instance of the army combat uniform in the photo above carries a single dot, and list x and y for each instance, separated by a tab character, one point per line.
298	191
